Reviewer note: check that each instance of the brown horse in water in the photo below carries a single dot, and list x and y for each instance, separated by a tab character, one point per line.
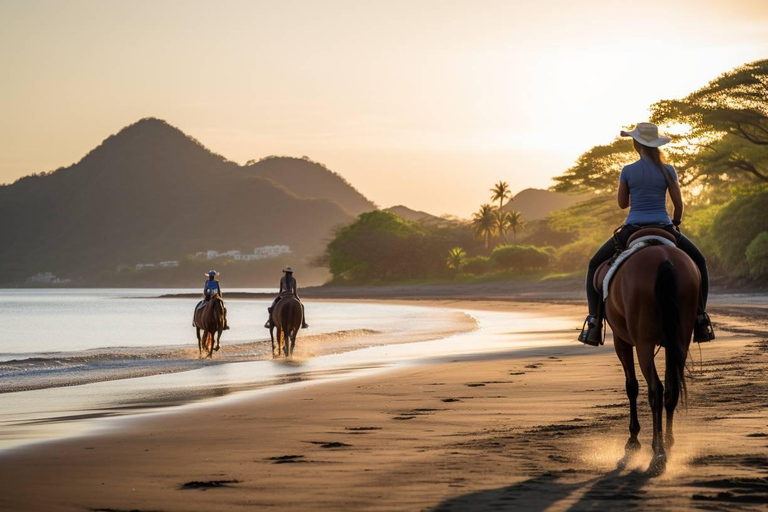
287	318
653	301
210	319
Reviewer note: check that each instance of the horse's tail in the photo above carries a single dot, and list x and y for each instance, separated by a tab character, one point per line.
670	329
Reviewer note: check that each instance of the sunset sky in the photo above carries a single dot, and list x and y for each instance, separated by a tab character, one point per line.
422	103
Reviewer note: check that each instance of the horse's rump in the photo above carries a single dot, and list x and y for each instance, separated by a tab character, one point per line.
631	305
211	316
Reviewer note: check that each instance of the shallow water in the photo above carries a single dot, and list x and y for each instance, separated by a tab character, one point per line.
396	339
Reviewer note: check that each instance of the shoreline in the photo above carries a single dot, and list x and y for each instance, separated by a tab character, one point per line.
431	436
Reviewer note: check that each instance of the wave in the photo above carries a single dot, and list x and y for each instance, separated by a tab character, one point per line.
59	369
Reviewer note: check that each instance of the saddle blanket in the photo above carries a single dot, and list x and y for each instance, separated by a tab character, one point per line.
636	245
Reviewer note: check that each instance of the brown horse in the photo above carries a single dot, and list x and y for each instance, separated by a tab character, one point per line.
287	318
653	300
210	319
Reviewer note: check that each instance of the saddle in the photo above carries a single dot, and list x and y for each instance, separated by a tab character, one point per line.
645	237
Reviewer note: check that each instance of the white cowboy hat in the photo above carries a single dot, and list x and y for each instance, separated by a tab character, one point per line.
288	269
646	134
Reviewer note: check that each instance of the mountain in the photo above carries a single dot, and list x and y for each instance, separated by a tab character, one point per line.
536	204
151	193
412	215
309	179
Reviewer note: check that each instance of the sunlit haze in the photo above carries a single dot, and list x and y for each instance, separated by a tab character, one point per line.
418	103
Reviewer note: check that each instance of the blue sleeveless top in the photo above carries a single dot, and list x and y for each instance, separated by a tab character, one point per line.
647	192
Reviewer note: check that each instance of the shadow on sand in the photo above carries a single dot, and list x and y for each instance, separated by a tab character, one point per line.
562	490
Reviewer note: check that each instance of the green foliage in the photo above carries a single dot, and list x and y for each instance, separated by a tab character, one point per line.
598	169
575	256
381	246
456	258
757	255
500	192
519	257
736	225
699	227
478	265
727	121
485	224
378	244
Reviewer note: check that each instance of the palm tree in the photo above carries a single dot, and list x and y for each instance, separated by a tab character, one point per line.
514	222
500	193
456	259
484	223
502	223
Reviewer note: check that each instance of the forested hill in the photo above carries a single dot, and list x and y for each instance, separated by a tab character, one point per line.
309	179
152	193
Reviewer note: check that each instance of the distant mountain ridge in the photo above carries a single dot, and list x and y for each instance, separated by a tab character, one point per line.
412	215
537	204
152	193
309	179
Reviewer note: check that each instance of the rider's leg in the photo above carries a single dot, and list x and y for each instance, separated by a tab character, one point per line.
304	323
271	308
703	330
592	330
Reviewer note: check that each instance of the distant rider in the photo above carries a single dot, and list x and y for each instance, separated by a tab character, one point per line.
211	288
287	284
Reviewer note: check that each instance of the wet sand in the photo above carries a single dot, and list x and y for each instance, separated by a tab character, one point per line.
537	429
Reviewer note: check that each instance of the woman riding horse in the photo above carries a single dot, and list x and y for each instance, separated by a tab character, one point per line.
646	182
210	289
287	285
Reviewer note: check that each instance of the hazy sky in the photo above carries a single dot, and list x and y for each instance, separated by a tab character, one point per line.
423	103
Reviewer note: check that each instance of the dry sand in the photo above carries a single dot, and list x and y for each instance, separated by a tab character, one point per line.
539	432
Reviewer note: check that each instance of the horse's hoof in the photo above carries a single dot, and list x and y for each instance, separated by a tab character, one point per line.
632	446
658	465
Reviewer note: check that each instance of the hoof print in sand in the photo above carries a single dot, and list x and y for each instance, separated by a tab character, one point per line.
287	459
449	400
209	484
361	430
475	385
329	445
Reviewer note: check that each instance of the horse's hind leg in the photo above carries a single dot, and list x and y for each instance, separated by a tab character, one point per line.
199	341
656	400
293	339
671	396
626	356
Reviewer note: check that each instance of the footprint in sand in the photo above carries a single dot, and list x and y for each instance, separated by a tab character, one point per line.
287	459
209	484
329	445
361	430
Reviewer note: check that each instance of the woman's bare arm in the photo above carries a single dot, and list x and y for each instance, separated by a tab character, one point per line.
677	202
623	195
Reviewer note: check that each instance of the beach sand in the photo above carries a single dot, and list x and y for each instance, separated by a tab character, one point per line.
538	430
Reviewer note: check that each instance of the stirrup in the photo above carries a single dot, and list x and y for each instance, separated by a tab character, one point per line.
591	332
703	331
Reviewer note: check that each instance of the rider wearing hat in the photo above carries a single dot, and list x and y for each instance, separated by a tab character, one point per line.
210	290
646	182
287	284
